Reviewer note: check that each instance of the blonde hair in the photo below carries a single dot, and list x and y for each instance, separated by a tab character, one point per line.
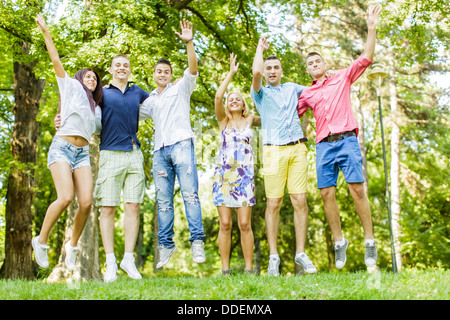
245	111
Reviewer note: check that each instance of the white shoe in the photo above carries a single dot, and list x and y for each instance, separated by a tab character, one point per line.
71	256
40	252
164	255
273	269
110	272
130	268
371	255
303	260
340	254
198	253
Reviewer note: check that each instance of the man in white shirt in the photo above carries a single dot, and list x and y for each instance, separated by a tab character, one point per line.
169	107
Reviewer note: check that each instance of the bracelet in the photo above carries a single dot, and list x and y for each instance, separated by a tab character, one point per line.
189	40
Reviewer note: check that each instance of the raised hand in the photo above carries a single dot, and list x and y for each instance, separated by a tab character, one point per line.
41	22
233	66
373	12
263	44
51	49
186	30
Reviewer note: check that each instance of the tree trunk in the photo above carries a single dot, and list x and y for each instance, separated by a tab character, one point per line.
88	261
27	93
395	164
140	258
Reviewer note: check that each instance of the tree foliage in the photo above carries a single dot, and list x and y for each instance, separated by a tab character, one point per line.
90	33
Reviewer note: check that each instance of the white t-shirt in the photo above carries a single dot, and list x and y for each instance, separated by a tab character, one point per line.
77	118
170	111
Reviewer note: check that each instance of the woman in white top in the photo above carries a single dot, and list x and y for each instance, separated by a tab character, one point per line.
68	156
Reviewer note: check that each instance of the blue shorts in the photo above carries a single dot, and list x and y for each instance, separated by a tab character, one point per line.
344	154
61	150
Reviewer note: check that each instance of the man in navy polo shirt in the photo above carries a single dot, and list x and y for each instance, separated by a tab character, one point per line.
120	165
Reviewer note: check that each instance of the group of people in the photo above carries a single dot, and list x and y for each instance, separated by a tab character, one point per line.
114	112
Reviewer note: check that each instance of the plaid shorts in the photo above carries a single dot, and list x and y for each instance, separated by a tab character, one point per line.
120	170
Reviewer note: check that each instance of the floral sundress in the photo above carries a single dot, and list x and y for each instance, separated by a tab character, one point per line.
233	180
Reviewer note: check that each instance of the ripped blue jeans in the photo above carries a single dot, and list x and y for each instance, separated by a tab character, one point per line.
177	160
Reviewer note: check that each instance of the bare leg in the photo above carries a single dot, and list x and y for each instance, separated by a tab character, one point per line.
62	178
332	211
272	220
107	228
300	220
131	225
83	185
247	240
362	208
224	238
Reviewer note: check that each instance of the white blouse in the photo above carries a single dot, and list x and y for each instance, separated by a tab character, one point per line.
77	118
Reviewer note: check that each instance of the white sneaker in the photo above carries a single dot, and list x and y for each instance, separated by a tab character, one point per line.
198	253
40	252
164	255
273	269
110	272
71	256
130	268
303	260
340	254
371	255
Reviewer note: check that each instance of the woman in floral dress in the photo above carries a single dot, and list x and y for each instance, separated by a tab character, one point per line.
234	185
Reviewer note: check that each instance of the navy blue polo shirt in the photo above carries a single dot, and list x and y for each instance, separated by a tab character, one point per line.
120	117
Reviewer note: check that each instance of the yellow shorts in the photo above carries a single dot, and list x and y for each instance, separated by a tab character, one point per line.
285	164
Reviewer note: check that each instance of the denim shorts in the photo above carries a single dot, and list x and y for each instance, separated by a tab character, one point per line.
61	150
344	154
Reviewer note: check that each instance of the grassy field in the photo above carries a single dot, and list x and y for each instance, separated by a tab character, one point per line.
382	285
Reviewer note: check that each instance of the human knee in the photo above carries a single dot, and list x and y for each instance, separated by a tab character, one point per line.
107	212
132	209
190	198
245	226
164	206
299	200
226	225
357	190
65	200
327	193
274	205
85	204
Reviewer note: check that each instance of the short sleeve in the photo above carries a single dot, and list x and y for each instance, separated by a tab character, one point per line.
98	120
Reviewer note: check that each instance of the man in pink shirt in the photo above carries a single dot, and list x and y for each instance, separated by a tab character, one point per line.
336	139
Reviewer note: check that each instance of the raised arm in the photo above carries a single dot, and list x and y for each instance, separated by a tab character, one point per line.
52	52
187	35
218	101
258	64
373	12
256	121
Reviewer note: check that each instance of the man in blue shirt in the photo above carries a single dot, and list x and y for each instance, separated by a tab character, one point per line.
120	165
284	153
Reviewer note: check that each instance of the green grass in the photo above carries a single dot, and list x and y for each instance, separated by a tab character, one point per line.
407	285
